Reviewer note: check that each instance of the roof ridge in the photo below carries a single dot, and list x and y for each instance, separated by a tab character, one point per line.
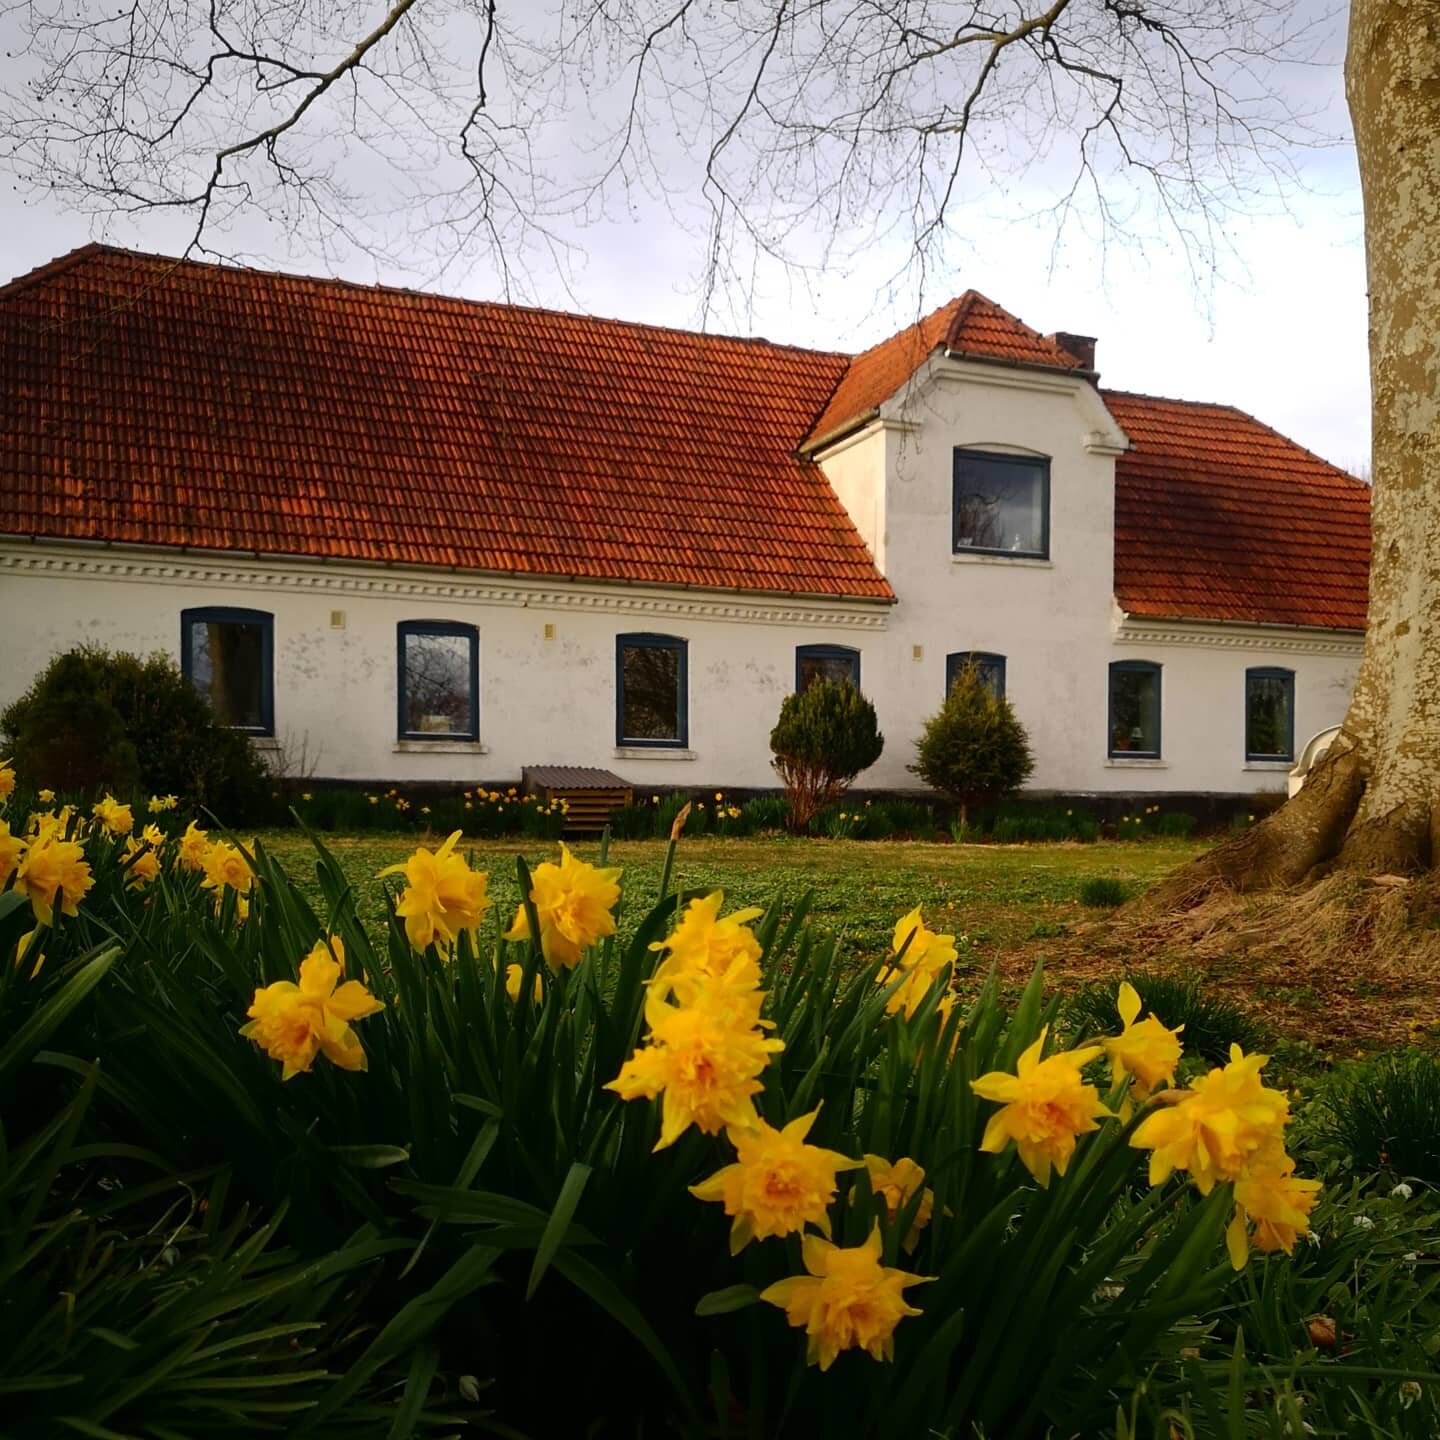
969	299
1246	415
915	327
96	248
1171	399
57	266
964	304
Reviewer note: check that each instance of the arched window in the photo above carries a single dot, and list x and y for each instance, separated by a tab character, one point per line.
825	662
1135	710
437	680
991	668
1269	713
651	691
228	655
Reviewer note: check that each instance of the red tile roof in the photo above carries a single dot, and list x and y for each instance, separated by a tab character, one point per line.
970	326
147	401
1218	517
154	402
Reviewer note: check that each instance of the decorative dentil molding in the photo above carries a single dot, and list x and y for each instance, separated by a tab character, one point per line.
1218	636
323	579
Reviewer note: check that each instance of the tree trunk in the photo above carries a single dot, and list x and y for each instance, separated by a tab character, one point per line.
1371	806
1392	81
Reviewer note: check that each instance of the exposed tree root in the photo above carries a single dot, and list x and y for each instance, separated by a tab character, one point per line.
1283	850
1345	961
1393	844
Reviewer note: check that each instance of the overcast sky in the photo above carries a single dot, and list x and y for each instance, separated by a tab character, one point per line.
1274	323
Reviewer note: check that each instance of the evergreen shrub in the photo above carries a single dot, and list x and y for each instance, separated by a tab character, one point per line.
973	749
826	735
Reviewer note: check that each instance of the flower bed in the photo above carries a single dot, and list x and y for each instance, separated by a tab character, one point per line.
681	1160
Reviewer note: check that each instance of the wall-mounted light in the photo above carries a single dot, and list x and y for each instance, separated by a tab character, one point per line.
337	619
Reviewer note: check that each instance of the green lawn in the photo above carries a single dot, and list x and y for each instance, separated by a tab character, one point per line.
1004	900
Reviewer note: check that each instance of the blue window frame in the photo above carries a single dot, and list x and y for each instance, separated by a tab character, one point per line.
1134	714
437	680
652	691
991	668
1001	505
228	655
1269	713
825	662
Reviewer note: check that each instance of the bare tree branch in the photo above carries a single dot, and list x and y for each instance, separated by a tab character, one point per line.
790	133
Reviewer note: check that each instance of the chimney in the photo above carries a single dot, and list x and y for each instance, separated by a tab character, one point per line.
1082	347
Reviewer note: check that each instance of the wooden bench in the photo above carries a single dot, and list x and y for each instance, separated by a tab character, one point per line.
589	794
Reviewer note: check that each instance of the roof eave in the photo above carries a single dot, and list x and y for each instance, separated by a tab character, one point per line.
1011	363
1126	616
536	576
836	433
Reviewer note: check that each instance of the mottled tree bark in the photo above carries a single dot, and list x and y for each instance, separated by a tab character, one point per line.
1392	79
1373	805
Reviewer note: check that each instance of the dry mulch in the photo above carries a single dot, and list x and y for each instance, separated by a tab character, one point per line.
1346	965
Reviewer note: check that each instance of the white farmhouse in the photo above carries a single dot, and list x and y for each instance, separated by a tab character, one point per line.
434	540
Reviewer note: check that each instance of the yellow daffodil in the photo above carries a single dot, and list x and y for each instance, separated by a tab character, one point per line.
28	952
1144	1049
1046	1106
12	847
848	1299
153	835
514	976
7	780
45	797
573	902
194	843
920	955
442	895
294	1023
160	803
44	823
142	865
703	945
1277	1203
778	1184
225	865
896	1185
115	817
53	871
1223	1119
702	1061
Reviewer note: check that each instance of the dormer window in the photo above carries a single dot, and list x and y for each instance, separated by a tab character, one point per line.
1002	505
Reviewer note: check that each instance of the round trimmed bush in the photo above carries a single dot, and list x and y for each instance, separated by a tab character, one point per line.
97	719
826	735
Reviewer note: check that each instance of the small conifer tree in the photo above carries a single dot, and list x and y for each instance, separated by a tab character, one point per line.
974	749
826	735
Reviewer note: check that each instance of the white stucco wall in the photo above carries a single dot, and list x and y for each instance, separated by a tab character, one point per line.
542	701
1203	698
552	700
